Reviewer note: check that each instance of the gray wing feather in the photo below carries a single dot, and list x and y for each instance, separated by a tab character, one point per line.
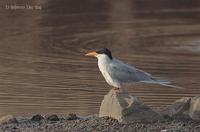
125	73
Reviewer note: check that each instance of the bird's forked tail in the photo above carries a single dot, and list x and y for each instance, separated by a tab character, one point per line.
164	83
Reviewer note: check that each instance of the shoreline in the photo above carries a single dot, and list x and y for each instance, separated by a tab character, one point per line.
72	122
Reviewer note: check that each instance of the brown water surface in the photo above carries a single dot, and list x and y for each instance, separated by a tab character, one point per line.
42	64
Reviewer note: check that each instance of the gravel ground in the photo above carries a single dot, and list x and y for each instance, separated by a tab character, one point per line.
72	123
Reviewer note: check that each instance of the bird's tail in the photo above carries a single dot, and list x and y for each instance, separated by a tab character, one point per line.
172	86
163	83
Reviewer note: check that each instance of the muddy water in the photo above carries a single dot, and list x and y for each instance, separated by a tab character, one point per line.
42	64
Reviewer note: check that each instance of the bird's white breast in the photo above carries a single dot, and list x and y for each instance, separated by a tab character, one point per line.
103	63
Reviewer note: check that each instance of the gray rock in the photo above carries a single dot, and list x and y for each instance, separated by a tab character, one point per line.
72	117
194	110
37	118
53	118
179	107
8	119
126	108
185	107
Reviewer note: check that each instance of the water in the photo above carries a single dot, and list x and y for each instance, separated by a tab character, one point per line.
43	68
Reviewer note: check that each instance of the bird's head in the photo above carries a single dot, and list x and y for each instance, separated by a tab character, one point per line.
104	52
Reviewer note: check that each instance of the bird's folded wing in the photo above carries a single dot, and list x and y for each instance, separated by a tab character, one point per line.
123	73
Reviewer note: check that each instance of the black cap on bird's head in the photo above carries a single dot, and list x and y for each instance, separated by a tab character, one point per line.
105	51
101	51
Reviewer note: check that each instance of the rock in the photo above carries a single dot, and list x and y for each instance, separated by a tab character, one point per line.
53	118
8	119
37	118
194	110
126	108
72	117
178	108
184	108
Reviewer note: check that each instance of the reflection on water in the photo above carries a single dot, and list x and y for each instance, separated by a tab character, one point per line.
43	68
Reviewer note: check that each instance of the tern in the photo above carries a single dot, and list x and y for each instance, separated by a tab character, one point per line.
118	73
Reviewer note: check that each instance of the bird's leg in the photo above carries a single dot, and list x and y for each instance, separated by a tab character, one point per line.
118	90
114	90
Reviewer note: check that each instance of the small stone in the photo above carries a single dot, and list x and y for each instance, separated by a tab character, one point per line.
72	117
183	124
8	119
37	118
105	117
53	118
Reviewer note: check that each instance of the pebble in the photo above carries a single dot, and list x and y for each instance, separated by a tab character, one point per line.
72	117
53	118
8	119
37	118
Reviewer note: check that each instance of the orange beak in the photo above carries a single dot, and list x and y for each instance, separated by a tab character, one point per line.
93	54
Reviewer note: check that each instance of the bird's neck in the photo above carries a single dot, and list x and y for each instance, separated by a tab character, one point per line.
103	61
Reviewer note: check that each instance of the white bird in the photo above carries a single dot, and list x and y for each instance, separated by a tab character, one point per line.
117	73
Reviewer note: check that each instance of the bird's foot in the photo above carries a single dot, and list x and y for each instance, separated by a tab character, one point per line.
115	90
